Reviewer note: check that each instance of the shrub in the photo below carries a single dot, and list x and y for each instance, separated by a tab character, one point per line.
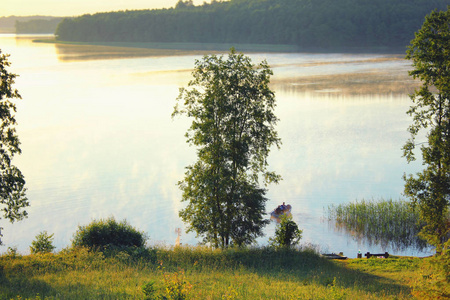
12	252
287	233
176	287
108	235
43	243
149	291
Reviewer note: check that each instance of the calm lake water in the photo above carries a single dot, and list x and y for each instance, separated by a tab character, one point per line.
98	140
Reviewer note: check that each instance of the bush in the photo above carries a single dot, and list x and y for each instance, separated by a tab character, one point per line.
287	233
176	287
108	235
43	243
150	291
12	252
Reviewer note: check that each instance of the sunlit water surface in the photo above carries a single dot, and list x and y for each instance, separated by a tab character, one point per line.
98	139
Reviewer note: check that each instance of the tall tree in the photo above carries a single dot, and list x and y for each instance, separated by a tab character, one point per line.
430	189
233	129
12	182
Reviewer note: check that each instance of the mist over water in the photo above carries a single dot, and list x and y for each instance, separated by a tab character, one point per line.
98	140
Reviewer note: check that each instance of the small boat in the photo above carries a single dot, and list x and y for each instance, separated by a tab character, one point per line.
280	211
334	256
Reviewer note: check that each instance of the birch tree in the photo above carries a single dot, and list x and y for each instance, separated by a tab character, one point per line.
429	190
12	182
233	129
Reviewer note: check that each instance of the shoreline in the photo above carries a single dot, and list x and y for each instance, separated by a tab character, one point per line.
221	47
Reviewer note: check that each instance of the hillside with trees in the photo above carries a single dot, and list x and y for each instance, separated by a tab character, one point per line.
303	23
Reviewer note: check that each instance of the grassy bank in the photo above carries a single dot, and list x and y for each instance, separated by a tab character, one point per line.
202	273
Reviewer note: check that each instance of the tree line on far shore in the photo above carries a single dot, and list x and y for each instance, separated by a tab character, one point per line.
29	24
39	25
303	23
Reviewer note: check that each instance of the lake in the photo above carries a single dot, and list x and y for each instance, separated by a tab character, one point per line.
98	139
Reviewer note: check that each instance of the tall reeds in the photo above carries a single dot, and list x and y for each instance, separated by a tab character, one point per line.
391	224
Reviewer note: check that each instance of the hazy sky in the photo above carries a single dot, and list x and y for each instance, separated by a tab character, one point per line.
78	7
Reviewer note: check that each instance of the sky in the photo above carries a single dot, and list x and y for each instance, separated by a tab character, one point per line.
65	8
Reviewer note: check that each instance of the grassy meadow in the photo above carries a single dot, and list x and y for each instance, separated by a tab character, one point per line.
203	273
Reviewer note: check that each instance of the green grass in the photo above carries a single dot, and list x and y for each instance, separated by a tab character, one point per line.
203	273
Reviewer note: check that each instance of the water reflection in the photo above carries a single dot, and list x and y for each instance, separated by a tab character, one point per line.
368	83
67	52
395	244
391	224
359	74
98	140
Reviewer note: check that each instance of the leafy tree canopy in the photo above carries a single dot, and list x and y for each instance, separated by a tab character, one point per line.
12	182
43	243
233	128
430	189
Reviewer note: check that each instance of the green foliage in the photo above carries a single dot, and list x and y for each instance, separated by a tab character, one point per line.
150	290
430	189
307	24
433	281
263	259
12	252
385	222
335	292
108	235
287	233
230	294
12	182
33	298
183	5
176	286
232	106
43	243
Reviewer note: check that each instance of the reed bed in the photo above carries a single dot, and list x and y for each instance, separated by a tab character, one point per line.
391	224
202	273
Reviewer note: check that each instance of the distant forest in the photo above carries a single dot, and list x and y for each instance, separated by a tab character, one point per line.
303	23
38	25
29	24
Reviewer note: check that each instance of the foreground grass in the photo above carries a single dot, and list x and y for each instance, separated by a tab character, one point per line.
204	274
